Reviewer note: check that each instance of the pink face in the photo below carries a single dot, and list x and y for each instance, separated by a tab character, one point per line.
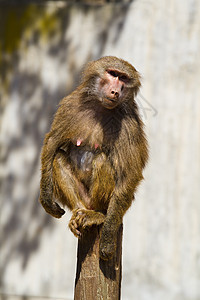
113	87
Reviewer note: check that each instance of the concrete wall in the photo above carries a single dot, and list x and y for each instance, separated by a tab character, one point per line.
43	48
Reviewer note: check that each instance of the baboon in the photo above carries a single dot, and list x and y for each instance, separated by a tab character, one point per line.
94	154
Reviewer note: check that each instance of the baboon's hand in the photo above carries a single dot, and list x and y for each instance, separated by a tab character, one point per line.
83	218
52	208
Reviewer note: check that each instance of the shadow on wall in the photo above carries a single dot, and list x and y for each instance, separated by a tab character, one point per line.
28	104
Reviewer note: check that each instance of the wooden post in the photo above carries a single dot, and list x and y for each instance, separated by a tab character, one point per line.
95	278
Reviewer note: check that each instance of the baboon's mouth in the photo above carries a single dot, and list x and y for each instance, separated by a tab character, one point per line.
112	100
109	103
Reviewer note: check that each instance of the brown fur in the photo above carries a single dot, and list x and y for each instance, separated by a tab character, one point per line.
93	157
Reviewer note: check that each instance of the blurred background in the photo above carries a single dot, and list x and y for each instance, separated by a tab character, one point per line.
43	48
